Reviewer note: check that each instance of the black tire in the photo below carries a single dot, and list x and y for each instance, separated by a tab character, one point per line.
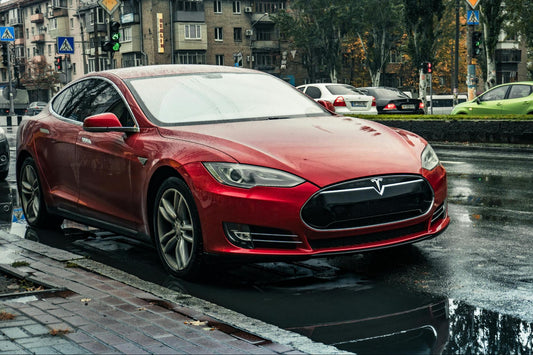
31	197
176	229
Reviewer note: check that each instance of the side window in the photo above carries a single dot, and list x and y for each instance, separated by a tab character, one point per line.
518	91
495	94
90	97
313	92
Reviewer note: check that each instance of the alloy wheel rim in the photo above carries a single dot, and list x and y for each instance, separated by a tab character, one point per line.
175	229
30	193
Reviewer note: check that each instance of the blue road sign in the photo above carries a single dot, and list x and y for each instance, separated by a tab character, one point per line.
472	17
7	34
65	45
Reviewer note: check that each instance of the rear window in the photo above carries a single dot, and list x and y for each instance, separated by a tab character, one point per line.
341	90
389	93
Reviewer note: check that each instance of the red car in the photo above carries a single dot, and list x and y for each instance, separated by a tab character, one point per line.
212	160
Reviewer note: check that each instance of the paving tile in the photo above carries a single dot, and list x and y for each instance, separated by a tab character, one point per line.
44	350
15	333
97	347
129	348
8	346
36	329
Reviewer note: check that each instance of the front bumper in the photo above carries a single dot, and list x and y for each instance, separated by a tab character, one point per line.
271	217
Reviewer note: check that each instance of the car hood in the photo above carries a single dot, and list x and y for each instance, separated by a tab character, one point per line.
321	150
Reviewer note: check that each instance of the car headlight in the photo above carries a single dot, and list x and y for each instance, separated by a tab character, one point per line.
2	135
248	176
429	158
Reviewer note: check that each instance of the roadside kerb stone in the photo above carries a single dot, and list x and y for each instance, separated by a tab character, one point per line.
108	310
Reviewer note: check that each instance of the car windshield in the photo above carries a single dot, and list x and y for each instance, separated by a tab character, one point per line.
342	90
219	97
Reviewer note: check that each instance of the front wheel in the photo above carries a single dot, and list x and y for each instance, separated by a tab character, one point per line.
176	229
31	196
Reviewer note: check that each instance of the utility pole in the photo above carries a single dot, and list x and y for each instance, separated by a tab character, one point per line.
10	79
472	20
455	86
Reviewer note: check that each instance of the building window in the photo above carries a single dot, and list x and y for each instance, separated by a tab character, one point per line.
190	5
191	57
193	31
126	34
74	68
237	34
236	7
269	6
27	33
218	34
219	59
52	24
49	49
72	23
100	17
131	60
217	6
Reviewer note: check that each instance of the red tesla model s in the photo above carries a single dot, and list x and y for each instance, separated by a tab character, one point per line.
210	160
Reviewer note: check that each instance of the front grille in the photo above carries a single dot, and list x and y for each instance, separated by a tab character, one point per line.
368	202
367	238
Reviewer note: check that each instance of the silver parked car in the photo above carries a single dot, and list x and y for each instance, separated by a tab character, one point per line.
345	98
35	107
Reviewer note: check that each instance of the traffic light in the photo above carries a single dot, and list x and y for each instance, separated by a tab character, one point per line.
4	54
59	63
113	45
476	43
426	68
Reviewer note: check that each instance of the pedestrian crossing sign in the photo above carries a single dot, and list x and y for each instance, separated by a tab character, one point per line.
65	45
472	17
7	34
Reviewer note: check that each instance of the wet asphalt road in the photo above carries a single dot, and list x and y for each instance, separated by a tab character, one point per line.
480	272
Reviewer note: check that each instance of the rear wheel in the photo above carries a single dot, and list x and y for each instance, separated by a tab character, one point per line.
176	229
31	196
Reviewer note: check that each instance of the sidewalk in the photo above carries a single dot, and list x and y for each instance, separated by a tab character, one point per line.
89	307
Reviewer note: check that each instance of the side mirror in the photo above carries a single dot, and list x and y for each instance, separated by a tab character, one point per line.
106	122
477	100
327	105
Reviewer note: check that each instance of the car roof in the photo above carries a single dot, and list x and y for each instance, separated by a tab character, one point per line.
169	69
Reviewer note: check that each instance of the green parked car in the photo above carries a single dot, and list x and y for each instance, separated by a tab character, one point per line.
505	99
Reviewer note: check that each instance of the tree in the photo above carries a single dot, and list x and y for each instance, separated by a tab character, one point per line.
377	34
421	18
492	19
316	27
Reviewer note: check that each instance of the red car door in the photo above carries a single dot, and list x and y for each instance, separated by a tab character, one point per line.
106	160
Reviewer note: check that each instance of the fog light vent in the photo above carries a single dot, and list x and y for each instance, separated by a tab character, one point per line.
239	234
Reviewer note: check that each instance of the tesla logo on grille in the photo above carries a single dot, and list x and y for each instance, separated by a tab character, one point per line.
378	186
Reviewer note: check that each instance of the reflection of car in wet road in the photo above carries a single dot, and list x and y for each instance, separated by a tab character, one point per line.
239	177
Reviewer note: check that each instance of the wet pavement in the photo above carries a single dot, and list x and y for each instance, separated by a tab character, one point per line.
468	291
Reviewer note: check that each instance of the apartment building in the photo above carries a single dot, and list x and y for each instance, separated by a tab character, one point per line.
219	32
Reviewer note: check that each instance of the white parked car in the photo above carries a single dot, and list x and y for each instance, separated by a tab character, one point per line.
345	98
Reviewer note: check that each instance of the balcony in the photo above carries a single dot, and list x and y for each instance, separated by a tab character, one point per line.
37	18
38	38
